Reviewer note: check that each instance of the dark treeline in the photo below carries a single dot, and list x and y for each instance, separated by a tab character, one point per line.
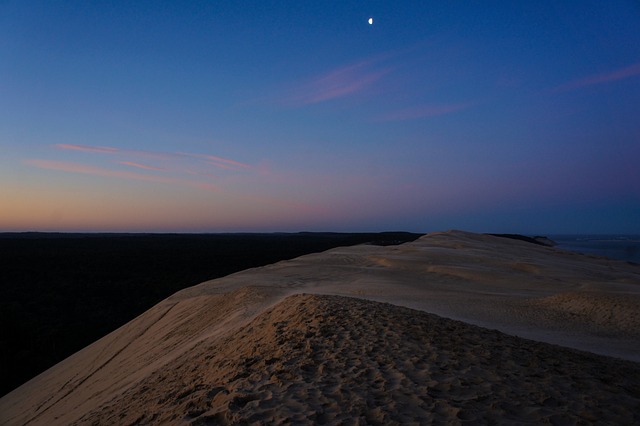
61	292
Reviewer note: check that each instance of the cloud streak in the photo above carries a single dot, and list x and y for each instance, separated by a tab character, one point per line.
615	75
73	167
219	162
85	148
338	83
223	163
425	111
141	166
190	169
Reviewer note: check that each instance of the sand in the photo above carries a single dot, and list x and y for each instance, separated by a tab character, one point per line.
282	344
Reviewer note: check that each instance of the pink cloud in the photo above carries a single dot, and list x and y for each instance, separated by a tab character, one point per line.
71	167
224	163
337	83
85	148
425	111
619	74
110	150
140	166
220	162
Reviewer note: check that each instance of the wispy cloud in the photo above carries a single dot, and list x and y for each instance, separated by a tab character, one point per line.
191	169
73	167
619	74
220	162
337	83
85	148
224	163
141	166
425	111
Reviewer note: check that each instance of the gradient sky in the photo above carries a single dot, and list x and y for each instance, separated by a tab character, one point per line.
216	116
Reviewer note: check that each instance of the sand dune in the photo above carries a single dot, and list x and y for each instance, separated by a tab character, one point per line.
250	347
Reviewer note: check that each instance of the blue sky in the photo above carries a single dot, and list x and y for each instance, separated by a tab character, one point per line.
217	116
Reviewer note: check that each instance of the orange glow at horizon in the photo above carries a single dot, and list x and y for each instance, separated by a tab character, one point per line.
141	206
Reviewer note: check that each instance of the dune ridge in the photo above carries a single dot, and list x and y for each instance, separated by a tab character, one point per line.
249	346
332	359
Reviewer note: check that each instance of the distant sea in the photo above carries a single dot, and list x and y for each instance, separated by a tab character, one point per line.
621	247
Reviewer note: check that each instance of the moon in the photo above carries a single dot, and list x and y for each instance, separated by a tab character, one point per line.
370	21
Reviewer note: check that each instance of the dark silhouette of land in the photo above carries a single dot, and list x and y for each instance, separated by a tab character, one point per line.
61	292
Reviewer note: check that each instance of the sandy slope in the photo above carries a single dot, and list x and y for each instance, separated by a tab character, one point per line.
237	349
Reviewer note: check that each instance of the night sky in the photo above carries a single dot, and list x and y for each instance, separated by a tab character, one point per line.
218	116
